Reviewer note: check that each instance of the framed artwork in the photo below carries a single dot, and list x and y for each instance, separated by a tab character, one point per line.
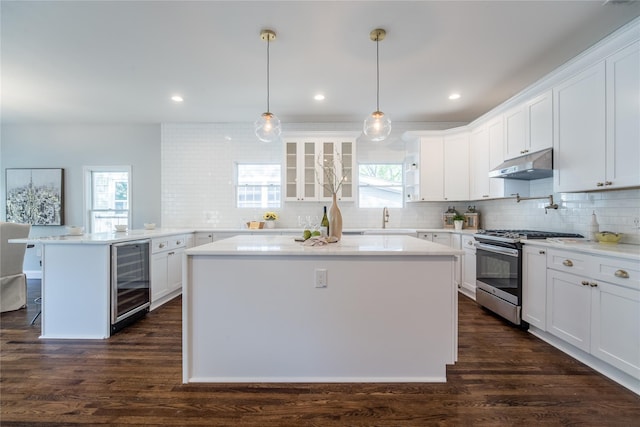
35	196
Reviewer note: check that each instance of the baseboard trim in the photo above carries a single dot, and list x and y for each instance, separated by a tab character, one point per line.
594	363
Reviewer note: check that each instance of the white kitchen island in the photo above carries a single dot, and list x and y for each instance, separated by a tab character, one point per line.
256	309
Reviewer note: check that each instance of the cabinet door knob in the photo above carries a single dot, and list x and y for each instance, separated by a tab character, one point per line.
567	263
621	274
599	184
541	252
608	183
593	284
585	283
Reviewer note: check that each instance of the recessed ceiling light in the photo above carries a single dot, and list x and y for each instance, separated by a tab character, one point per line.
454	96
319	97
177	98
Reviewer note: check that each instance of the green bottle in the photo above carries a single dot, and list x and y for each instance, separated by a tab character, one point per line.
324	224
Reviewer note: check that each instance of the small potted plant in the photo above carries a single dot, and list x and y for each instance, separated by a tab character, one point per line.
458	221
270	219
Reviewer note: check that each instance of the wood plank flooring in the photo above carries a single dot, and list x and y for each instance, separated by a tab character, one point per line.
504	376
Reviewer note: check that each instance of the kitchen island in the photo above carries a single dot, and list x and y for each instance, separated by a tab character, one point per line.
365	309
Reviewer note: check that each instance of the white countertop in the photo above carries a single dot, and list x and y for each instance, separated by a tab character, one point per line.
353	245
586	246
104	238
116	237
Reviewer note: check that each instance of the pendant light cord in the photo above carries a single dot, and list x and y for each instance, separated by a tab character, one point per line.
268	43
377	74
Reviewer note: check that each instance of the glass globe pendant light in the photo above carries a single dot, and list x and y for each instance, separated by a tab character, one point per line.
377	126
268	127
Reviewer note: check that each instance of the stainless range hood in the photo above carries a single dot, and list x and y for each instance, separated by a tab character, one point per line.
531	166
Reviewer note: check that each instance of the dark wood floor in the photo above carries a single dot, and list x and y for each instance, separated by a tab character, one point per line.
504	376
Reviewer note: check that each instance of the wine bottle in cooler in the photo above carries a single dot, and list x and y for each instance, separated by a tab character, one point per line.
324	224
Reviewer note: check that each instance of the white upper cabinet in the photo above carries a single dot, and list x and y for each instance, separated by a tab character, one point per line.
431	169
456	166
515	132
623	118
529	127
479	166
579	149
539	112
486	148
597	136
303	172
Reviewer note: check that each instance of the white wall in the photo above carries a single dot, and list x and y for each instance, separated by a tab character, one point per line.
73	146
198	176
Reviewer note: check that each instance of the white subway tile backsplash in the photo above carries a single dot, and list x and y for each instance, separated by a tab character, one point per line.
198	190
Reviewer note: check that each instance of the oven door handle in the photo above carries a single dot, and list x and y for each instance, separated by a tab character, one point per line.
497	249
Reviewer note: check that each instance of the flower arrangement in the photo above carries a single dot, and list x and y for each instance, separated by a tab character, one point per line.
334	173
270	216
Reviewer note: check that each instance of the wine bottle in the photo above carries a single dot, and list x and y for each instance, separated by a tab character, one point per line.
324	224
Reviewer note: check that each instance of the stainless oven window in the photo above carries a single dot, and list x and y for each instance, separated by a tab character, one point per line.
499	267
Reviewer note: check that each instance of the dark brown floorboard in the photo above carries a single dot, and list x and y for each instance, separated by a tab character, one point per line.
504	376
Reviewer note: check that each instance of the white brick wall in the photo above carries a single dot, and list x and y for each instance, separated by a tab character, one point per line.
198	188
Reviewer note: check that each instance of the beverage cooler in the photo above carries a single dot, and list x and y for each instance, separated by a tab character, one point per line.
130	282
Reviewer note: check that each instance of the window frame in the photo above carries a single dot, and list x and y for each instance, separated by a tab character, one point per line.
265	187
360	186
88	193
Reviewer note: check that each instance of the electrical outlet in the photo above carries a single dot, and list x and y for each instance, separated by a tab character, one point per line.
320	278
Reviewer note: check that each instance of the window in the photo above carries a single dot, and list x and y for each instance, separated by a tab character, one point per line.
380	185
258	186
107	197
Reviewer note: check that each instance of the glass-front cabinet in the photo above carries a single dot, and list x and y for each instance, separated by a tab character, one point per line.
316	165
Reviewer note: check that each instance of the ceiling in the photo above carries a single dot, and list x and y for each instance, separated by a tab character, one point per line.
121	61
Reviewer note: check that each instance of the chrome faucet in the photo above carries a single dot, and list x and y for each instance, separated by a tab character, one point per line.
385	217
551	205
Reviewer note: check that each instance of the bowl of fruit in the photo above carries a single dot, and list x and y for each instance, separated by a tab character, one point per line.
608	237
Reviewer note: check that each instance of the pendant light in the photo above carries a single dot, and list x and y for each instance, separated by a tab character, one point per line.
377	126
268	127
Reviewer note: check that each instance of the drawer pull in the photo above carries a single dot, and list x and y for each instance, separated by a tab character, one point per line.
600	184
585	283
621	274
593	284
541	252
567	263
161	245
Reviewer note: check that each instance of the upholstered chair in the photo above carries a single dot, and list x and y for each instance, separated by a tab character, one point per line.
13	281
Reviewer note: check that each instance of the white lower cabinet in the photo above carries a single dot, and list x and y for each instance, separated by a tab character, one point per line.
615	326
569	308
468	286
204	237
596	310
534	286
447	239
456	243
166	268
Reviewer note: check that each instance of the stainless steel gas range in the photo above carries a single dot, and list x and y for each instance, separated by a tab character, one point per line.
499	270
